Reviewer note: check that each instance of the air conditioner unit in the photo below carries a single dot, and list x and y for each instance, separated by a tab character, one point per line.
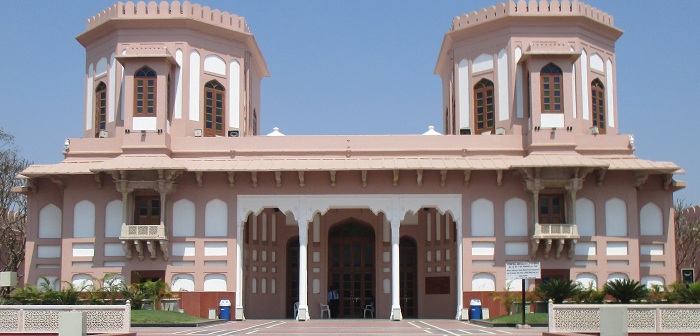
104	134
198	132
500	131
233	134
465	131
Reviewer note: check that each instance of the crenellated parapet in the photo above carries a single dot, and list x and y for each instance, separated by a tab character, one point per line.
165	10
531	8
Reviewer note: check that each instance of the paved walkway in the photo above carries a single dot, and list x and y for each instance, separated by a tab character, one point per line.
339	327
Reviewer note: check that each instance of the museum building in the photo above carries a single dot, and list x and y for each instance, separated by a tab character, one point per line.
172	179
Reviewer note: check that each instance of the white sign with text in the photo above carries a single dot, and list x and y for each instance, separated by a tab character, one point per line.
523	270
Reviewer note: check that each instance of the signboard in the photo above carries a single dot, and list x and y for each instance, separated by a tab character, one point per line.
523	270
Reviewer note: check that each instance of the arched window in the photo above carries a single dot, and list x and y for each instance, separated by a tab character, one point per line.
214	114
145	92
551	79
598	105
484	107
100	108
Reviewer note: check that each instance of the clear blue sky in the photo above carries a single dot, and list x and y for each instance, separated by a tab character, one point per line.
356	67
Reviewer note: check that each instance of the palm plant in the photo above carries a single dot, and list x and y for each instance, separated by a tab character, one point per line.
507	297
590	295
626	290
683	293
557	290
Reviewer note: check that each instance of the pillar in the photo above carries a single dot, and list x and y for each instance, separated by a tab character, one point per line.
238	315
460	294
303	314
395	285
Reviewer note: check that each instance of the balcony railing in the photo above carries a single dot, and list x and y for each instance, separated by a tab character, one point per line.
557	235
556	231
145	232
150	236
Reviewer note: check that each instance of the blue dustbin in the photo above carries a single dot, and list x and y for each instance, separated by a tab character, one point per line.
225	310
475	309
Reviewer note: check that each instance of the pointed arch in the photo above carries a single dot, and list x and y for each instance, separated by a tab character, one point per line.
484	107
598	102
551	80
145	90
214	109
100	112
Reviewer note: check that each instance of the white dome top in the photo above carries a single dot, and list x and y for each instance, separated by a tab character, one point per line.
431	131
275	132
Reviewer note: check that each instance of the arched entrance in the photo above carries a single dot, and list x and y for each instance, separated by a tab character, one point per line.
351	268
408	269
292	275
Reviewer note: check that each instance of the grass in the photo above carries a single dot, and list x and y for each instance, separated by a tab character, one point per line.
530	318
162	316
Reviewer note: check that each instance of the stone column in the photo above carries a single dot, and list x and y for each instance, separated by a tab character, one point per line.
460	247
239	316
303	314
395	274
535	186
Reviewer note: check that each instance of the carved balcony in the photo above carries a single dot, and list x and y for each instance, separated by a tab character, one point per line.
558	235
151	236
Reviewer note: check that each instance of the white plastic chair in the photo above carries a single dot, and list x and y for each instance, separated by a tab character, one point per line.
325	308
369	308
296	309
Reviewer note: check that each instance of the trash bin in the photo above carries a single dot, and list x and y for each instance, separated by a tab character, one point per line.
225	310
475	309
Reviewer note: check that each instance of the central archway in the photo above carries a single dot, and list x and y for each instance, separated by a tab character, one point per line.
351	268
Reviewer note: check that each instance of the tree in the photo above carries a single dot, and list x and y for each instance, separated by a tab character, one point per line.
13	207
687	225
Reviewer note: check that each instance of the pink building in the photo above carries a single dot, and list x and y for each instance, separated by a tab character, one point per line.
173	180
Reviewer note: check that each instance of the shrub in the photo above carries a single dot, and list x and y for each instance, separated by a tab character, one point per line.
683	293
590	295
626	290
557	290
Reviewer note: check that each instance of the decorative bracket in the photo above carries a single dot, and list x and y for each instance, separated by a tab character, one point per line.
639	179
231	179
396	178
59	182
98	180
443	177
278	179
364	179
600	175
419	177
667	181
198	177
301	179
499	178
467	176
254	178
332	173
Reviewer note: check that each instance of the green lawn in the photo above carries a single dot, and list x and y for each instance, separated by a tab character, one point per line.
530	318
161	316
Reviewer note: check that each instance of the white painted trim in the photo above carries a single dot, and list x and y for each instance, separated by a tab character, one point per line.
574	102
234	91
610	93
519	100
503	84
463	89
112	94
177	108
585	85
194	85
89	95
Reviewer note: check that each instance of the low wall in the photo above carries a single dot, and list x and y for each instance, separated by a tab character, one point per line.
641	318
38	319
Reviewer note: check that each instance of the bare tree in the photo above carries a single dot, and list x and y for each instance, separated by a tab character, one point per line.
687	225
13	207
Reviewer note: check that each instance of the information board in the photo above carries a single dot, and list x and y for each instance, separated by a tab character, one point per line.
523	270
